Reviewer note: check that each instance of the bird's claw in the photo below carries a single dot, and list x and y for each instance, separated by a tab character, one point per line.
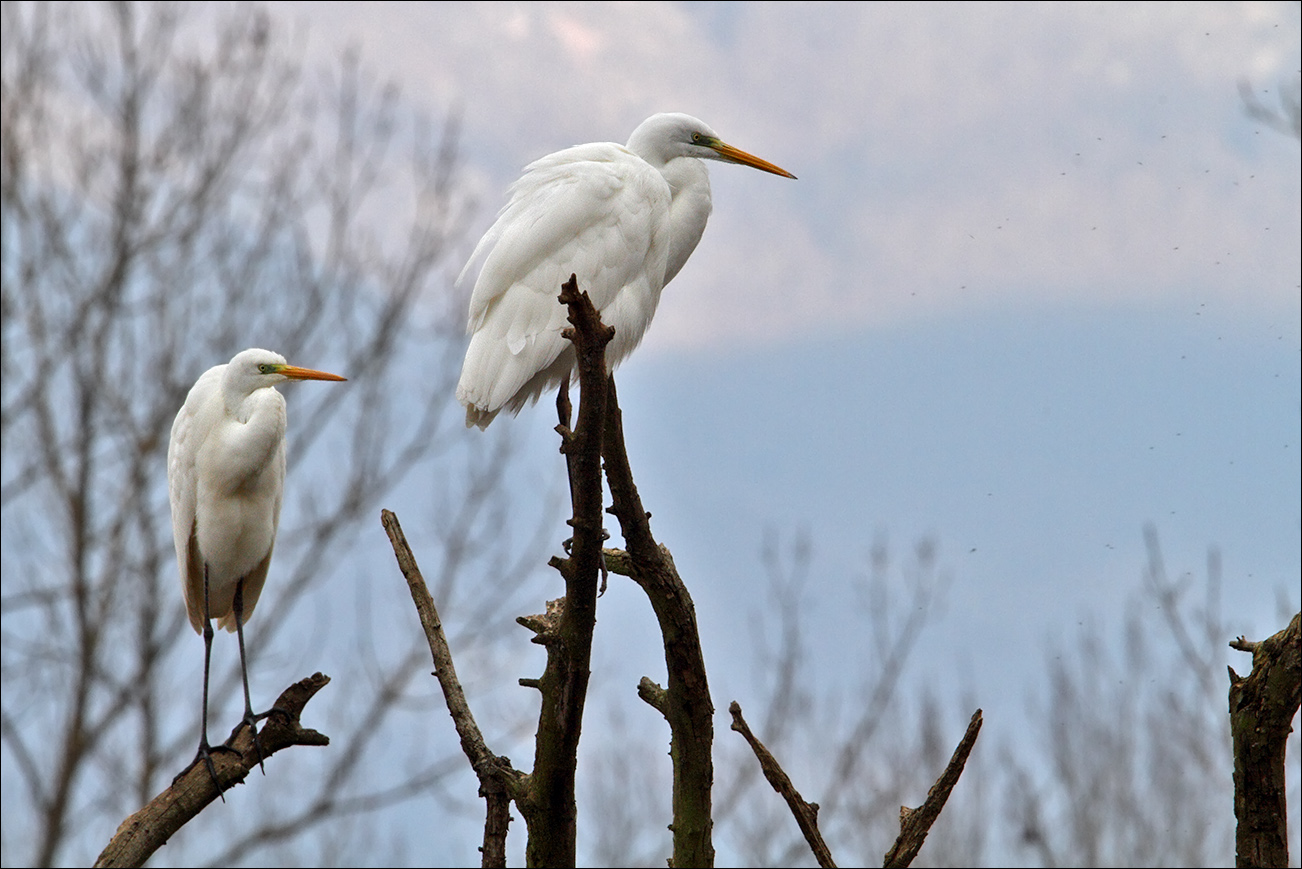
568	546
251	720
205	754
601	561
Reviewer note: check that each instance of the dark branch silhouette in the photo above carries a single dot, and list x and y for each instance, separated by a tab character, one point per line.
548	806
545	797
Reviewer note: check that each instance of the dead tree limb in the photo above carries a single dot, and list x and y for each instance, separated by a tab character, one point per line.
685	702
147	830
806	813
498	781
544	797
916	823
1262	708
549	807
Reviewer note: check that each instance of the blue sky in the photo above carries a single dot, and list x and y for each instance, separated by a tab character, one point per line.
1037	283
1036	286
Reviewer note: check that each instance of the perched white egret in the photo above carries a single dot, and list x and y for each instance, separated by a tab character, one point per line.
226	479
623	218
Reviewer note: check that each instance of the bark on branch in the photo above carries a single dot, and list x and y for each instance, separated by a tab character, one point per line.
1262	708
806	813
499	783
147	830
915	824
548	806
685	702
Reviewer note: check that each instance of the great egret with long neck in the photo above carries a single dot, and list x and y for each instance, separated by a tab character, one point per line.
226	481
623	218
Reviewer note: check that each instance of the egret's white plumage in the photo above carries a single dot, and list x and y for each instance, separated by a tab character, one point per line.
226	478
623	218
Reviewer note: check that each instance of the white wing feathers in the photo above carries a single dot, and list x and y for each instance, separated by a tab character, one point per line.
596	211
183	476
225	483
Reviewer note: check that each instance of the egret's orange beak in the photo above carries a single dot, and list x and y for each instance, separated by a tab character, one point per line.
736	155
293	372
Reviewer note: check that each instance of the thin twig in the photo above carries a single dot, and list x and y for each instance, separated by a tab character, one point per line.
916	823
498	782
806	813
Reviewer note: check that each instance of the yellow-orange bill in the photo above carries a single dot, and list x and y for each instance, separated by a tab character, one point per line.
295	373
736	155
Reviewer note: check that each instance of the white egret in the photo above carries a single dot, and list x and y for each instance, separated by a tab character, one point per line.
226	479
623	218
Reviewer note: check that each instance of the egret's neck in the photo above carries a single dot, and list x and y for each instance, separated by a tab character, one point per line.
689	210
253	431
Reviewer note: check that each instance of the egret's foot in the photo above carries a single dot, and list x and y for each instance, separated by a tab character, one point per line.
601	562
204	754
251	721
568	546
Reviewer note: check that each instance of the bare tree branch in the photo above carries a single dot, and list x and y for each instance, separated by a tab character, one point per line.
1286	119
1262	708
806	814
686	702
149	829
549	808
498	781
915	824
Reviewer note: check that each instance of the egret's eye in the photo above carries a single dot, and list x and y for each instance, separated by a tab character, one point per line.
266	368
696	138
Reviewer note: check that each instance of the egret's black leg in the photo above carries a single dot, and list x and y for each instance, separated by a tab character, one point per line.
205	750
249	718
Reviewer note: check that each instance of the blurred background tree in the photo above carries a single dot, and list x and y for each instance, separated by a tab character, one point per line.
177	187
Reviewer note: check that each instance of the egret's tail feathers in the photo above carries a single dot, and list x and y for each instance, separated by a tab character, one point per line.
478	417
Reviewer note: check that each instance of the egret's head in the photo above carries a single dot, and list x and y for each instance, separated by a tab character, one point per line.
256	369
661	138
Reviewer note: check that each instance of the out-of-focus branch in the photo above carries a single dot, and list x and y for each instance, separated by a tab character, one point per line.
915	824
1286	119
806	813
147	830
177	185
498	781
1262	708
685	703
